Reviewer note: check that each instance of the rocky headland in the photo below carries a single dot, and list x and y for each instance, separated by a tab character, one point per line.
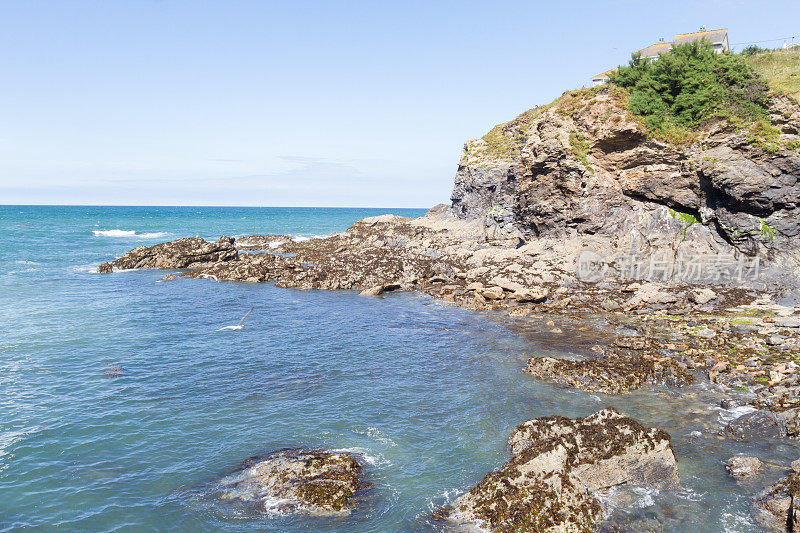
685	257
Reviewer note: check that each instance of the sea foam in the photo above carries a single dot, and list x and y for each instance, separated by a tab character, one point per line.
128	233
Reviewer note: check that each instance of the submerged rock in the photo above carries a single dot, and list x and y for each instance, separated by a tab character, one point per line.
755	425
192	252
286	481
560	466
740	467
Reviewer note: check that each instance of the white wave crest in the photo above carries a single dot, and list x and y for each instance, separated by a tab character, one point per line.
308	237
369	456
128	233
728	415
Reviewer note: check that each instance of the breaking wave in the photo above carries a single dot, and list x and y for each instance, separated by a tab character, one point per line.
128	233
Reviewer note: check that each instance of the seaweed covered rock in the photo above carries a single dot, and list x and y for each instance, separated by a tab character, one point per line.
190	252
611	374
319	482
560	466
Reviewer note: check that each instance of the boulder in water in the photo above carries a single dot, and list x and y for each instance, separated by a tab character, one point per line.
740	467
755	425
558	468
316	481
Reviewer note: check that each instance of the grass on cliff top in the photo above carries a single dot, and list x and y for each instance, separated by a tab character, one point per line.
504	140
780	69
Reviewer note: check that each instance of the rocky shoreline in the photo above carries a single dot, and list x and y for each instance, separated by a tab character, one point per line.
653	333
685	259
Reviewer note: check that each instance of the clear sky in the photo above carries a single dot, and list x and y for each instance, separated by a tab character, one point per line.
299	103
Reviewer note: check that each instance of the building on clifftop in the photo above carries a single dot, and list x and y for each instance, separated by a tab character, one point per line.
717	38
654	50
602	79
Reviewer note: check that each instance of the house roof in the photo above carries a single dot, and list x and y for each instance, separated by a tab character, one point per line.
605	74
655	50
713	36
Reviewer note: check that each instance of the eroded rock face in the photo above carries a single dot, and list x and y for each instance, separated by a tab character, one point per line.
317	481
559	466
190	252
584	166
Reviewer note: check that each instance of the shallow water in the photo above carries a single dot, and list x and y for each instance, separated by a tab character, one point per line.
427	393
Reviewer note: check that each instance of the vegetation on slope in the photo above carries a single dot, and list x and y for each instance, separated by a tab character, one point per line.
689	85
673	97
779	68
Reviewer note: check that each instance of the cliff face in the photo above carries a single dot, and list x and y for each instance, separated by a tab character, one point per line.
584	166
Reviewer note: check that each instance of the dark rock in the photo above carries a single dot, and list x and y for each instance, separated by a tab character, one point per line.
262	242
755	425
612	374
105	268
730	403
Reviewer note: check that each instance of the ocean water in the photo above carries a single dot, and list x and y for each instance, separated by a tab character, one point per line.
426	393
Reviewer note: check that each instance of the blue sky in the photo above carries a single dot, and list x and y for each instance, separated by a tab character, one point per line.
299	103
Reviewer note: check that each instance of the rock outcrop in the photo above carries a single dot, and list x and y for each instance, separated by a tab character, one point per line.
316	481
584	166
560	466
190	252
757	425
775	507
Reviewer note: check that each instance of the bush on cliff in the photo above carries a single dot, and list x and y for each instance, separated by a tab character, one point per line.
691	84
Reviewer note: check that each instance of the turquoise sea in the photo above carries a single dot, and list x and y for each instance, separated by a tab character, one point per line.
426	393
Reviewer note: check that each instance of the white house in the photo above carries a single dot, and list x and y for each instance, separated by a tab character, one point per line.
602	79
717	38
654	50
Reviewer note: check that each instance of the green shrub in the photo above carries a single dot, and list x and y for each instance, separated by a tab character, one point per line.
752	50
691	84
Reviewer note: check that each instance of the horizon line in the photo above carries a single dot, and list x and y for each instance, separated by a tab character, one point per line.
210	205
